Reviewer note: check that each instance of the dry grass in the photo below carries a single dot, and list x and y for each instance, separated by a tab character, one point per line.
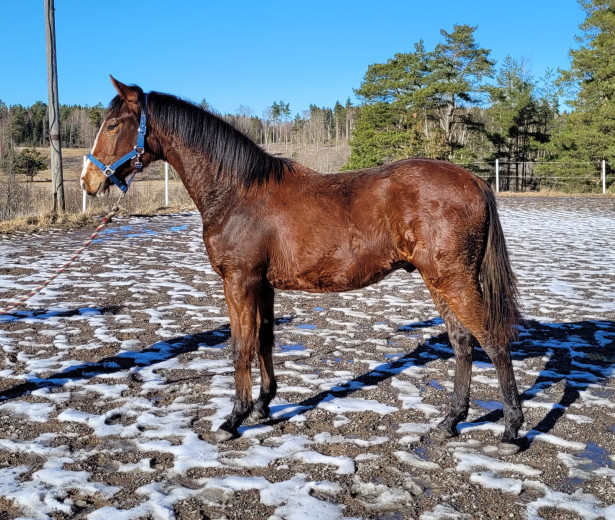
323	159
36	222
143	198
27	206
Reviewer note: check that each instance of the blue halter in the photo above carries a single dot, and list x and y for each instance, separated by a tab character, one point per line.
137	151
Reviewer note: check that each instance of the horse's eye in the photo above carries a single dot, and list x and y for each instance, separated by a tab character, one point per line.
111	126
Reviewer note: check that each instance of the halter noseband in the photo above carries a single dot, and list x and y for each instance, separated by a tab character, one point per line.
137	151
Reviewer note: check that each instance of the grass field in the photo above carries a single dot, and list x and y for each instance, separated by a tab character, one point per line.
28	205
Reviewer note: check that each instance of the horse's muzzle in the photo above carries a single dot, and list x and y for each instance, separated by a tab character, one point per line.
102	188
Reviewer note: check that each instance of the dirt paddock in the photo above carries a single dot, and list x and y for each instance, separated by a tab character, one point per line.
113	379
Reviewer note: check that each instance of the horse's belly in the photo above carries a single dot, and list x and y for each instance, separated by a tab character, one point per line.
334	276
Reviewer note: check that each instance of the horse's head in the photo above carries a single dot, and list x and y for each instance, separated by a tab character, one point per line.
120	147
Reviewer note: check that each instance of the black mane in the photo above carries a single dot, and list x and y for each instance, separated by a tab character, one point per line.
234	156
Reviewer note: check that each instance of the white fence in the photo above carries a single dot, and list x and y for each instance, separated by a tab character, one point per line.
589	177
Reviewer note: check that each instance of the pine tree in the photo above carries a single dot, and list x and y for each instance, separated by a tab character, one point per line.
588	131
420	103
30	162
385	128
455	82
518	122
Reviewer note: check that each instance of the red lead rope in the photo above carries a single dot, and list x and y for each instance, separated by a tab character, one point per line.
65	266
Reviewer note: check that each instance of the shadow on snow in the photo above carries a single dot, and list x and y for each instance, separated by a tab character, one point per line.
578	354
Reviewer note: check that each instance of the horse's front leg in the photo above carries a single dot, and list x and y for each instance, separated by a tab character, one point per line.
268	382
241	293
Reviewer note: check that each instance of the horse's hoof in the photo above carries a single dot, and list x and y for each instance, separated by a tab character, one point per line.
442	434
508	448
224	435
250	421
255	418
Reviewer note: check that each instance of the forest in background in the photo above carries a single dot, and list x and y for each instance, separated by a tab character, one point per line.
450	102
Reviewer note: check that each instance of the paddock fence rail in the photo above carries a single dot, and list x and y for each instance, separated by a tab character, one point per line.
565	177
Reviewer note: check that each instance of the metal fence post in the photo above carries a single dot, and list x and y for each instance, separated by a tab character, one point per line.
84	192
603	177
166	183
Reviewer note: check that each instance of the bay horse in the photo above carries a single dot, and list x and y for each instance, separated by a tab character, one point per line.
271	223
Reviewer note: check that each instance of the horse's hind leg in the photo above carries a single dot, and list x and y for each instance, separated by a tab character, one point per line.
513	414
463	342
466	303
268	382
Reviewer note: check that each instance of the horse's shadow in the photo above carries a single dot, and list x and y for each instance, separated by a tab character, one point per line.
578	364
155	353
42	314
579	355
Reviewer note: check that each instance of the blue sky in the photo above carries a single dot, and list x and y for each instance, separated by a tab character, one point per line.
252	53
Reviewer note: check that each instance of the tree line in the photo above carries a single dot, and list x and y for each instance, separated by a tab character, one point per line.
29	127
450	102
317	126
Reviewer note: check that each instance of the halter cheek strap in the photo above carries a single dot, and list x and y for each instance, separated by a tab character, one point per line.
137	151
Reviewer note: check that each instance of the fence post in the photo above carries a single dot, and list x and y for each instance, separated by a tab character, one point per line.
603	177
84	192
166	183
497	176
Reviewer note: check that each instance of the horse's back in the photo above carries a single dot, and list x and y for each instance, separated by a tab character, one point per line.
424	180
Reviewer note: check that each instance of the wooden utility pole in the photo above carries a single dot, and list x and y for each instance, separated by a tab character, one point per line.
57	179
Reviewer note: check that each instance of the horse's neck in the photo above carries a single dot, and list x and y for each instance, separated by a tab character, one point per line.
209	194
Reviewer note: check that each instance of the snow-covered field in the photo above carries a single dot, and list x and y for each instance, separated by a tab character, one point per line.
113	379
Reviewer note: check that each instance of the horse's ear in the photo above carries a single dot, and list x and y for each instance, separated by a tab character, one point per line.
126	93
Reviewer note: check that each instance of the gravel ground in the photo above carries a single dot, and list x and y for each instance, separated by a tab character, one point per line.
113	380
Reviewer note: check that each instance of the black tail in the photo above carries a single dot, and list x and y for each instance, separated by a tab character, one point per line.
500	296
